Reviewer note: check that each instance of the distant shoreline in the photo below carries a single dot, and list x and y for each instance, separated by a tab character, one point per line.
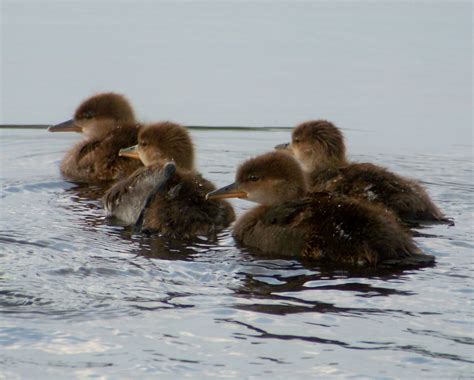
204	127
198	127
24	126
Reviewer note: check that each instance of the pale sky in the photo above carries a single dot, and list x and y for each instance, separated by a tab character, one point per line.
402	70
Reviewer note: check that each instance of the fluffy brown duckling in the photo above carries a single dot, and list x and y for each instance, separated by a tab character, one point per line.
180	208
319	146
108	123
331	228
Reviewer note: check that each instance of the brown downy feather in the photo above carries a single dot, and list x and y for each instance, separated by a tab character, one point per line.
172	141
183	212
107	104
98	160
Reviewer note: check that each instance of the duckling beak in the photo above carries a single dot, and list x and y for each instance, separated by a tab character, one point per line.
285	146
230	191
66	126
130	152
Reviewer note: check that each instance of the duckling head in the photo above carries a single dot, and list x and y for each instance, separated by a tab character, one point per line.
163	142
269	179
318	143
99	115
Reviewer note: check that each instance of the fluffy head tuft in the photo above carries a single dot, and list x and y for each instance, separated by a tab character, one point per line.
271	178
106	106
318	142
166	141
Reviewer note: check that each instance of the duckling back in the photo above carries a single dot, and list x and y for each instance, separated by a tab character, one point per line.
406	198
328	228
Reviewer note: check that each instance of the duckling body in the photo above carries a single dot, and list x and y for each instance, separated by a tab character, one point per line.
108	123
292	222
180	209
320	147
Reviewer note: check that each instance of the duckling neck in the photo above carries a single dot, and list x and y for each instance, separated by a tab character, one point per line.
321	165
288	193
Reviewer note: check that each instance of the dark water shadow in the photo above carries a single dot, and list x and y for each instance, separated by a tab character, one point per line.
286	290
80	192
286	296
279	288
257	332
153	246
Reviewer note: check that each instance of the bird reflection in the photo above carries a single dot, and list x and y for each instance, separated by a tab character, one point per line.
153	246
279	287
87	192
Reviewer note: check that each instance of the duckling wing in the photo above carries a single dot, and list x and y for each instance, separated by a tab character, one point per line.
320	179
371	181
272	230
125	198
108	165
78	163
285	214
98	160
406	197
86	149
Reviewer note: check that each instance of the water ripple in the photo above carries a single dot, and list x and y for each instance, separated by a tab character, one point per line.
81	294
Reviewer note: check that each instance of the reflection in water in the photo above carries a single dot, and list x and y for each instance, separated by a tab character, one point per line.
389	346
87	192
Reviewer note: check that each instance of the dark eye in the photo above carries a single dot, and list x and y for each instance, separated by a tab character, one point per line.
142	143
296	140
253	177
88	115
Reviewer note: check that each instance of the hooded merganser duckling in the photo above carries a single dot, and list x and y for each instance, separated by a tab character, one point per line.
180	208
319	146
331	228
108	123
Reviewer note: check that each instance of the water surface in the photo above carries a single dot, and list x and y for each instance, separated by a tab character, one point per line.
401	68
81	298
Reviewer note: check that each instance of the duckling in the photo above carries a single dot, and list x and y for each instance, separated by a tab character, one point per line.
108	123
292	222
179	209
319	146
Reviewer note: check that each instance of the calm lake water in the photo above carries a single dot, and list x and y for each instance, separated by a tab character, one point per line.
83	299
